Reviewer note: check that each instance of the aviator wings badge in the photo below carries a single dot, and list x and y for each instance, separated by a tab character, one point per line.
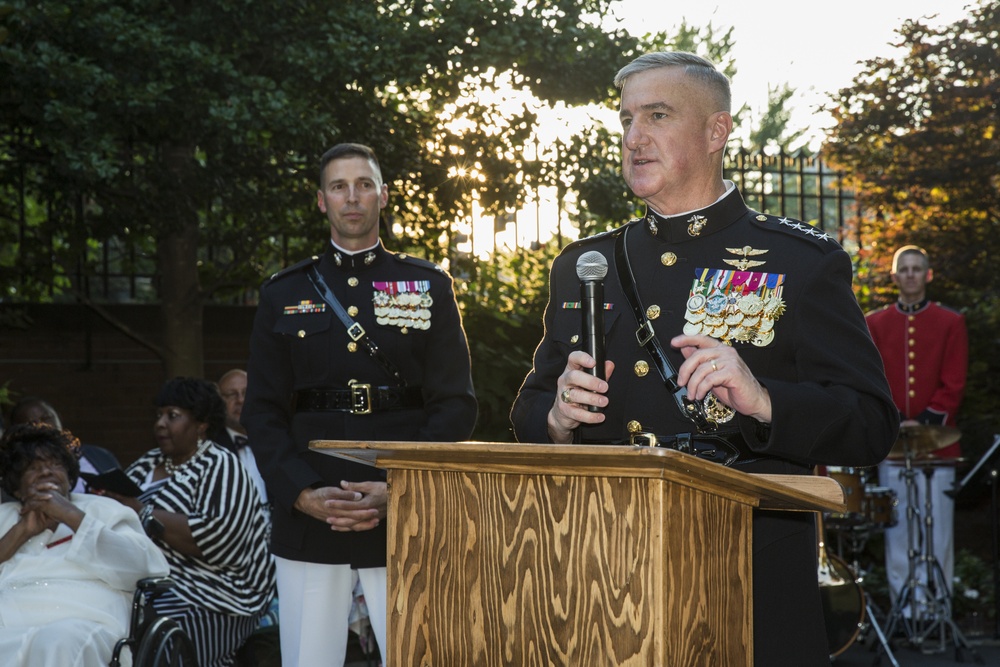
745	262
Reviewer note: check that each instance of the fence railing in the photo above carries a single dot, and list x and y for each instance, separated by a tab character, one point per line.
796	185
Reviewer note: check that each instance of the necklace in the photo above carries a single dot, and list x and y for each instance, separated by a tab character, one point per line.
171	467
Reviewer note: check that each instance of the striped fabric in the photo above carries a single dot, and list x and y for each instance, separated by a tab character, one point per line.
235	574
216	637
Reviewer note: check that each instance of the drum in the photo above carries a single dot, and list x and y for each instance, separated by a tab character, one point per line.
880	506
843	603
853	480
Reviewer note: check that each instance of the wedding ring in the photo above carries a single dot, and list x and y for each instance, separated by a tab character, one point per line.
714	367
565	395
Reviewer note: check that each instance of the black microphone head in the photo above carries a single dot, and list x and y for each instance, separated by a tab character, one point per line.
592	265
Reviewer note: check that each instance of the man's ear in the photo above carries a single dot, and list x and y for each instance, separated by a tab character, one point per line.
720	127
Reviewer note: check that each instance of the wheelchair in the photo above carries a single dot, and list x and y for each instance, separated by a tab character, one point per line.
154	640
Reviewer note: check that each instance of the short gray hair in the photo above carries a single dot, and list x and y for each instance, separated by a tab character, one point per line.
700	69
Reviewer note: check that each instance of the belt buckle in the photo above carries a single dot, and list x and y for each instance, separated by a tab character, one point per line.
645	333
356	331
643	440
361	398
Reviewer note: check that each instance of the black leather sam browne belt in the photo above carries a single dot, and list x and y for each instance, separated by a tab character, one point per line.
359	399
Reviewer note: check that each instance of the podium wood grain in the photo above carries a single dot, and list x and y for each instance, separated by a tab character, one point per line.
523	555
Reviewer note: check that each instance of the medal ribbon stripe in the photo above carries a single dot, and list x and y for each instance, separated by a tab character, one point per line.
403	286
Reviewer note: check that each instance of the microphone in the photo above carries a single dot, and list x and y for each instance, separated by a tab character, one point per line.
591	268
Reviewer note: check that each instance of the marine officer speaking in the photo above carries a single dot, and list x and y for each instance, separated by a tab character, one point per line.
356	344
754	315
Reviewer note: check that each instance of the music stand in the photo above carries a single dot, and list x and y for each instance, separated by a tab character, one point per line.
986	471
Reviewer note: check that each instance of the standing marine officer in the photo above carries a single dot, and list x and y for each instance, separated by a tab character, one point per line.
756	317
356	344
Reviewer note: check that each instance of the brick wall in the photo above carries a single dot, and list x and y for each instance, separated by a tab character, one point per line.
100	381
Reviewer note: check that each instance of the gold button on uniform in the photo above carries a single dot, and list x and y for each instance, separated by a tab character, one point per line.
634	426
668	259
352	281
352	347
302	334
912	393
913	355
352	311
912	330
574	339
653	312
641	368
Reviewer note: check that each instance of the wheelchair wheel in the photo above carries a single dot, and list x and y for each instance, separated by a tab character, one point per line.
165	644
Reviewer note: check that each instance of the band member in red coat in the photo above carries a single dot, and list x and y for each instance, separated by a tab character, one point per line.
925	349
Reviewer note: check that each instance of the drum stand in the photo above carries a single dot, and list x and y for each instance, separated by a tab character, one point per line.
857	545
932	613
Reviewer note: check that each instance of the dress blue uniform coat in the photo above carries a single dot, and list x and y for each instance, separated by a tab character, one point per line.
830	401
298	343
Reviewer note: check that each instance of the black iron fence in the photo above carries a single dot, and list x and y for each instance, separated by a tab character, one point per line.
796	185
122	269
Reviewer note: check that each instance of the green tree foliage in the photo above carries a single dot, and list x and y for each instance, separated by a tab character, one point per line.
176	127
503	301
178	140
919	135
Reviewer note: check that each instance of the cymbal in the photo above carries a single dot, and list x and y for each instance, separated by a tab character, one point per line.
920	440
932	461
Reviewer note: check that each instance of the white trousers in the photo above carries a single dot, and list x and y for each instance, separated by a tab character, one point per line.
316	602
897	538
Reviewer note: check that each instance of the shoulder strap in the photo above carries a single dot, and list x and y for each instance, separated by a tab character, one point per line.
692	410
354	330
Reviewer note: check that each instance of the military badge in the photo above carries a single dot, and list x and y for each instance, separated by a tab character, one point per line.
404	304
305	306
577	305
735	306
744	263
696	223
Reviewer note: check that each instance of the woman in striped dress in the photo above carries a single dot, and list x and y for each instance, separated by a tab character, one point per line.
203	510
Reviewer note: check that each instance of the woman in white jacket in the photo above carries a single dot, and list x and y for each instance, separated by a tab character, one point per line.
68	562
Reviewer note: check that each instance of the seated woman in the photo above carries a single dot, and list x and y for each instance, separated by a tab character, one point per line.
202	508
68	562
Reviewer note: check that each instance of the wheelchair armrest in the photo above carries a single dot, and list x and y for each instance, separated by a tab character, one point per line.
154	585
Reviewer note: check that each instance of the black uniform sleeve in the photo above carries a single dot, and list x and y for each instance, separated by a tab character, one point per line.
267	410
529	414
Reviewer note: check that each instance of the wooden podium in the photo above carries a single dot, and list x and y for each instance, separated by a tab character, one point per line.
571	555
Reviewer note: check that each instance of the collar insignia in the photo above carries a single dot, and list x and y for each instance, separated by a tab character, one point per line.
651	221
696	223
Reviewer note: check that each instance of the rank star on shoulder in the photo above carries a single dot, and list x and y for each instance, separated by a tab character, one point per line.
808	229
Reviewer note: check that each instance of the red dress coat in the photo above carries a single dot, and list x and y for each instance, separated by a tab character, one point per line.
925	350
